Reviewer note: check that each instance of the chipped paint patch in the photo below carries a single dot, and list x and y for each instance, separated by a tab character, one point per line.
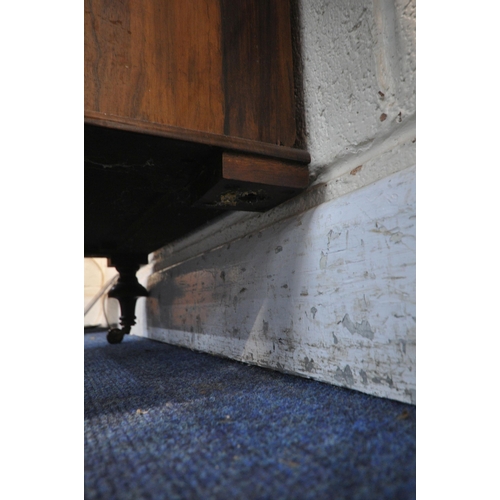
379	380
308	364
348	324
364	329
323	261
412	393
344	376
394	234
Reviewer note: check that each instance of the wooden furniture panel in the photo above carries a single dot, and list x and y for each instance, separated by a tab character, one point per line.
195	94
155	60
258	70
217	66
269	171
189	113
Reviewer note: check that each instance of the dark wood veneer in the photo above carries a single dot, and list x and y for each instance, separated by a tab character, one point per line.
189	113
195	136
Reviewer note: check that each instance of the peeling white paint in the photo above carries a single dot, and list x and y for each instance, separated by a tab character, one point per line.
364	329
386	160
332	299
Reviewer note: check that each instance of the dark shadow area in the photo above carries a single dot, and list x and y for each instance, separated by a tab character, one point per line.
298	76
165	422
94	329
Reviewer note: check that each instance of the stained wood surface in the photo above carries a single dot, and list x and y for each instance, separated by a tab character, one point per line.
252	183
156	61
258	70
196	137
214	66
258	169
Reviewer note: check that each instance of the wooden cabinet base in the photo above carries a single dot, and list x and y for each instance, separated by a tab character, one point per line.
253	183
143	191
189	113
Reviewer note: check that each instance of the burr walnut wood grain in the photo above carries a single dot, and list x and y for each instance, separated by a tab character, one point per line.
155	61
209	65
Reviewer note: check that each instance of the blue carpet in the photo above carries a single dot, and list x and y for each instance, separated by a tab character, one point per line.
163	422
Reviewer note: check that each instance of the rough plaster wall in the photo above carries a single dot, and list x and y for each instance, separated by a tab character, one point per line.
358	66
359	76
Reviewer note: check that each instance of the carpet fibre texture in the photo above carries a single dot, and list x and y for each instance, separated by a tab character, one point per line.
163	422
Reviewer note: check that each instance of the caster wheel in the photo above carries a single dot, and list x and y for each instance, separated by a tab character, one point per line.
115	336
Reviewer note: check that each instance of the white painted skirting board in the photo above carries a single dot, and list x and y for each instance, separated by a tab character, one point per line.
327	294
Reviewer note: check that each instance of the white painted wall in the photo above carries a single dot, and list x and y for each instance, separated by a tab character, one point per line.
324	285
359	65
96	275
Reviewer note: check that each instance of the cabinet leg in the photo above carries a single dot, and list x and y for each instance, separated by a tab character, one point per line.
126	290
